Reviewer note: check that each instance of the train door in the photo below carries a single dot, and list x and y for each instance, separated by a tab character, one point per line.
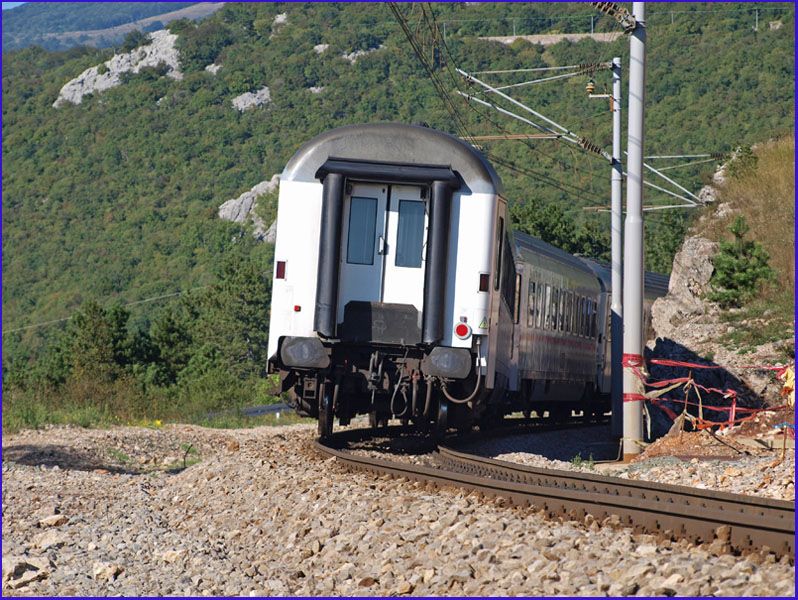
363	245
405	256
383	246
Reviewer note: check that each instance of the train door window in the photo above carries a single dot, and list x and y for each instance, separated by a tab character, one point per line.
561	312
362	229
594	319
533	304
410	234
580	318
499	248
517	302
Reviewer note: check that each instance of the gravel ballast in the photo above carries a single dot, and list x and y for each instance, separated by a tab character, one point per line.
91	512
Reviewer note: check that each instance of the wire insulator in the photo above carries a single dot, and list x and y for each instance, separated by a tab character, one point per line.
619	13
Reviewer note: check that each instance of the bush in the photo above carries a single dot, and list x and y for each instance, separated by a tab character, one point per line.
740	266
133	40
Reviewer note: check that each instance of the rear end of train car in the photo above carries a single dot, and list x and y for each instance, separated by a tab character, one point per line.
387	277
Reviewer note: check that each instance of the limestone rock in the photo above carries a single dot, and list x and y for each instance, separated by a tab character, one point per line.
19	571
250	100
104	571
352	57
161	49
242	209
689	282
213	68
53	521
49	539
707	194
320	48
316	89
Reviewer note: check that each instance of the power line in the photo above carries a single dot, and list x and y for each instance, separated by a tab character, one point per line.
136	302
459	123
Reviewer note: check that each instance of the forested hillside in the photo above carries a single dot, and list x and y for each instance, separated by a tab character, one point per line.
115	199
30	24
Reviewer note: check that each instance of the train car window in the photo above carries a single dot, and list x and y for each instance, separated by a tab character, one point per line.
555	308
362	230
547	308
592	318
410	233
569	311
533	304
561	314
580	316
517	300
499	248
539	315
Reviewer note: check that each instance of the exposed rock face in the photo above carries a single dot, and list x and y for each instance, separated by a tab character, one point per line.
707	194
320	48
316	89
242	209
250	100
161	49
213	69
688	328
280	19
352	57
689	281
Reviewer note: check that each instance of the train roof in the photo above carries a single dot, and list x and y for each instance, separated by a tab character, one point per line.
525	241
394	143
655	283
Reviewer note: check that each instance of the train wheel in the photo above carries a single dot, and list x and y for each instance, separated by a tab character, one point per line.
326	415
378	421
442	420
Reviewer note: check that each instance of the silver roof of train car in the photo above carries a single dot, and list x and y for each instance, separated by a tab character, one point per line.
538	246
395	143
656	284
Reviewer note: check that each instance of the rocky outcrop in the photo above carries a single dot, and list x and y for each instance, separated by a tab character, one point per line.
353	57
213	69
242	210
316	89
689	282
688	327
160	50
320	48
250	100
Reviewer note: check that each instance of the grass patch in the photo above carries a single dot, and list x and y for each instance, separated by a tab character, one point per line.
578	461
763	321
118	455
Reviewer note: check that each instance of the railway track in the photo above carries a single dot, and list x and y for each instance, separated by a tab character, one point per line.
735	523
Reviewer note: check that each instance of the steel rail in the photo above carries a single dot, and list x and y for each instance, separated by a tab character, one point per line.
739	523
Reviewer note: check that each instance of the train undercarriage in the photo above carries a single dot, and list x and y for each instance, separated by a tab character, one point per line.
408	384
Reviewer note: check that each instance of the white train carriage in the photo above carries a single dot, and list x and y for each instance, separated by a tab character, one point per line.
386	281
399	291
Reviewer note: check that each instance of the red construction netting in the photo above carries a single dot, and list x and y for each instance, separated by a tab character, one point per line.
737	414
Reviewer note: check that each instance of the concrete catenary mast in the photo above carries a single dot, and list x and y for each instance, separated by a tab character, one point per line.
633	242
616	322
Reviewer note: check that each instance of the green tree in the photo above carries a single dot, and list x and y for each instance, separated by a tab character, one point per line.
740	266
